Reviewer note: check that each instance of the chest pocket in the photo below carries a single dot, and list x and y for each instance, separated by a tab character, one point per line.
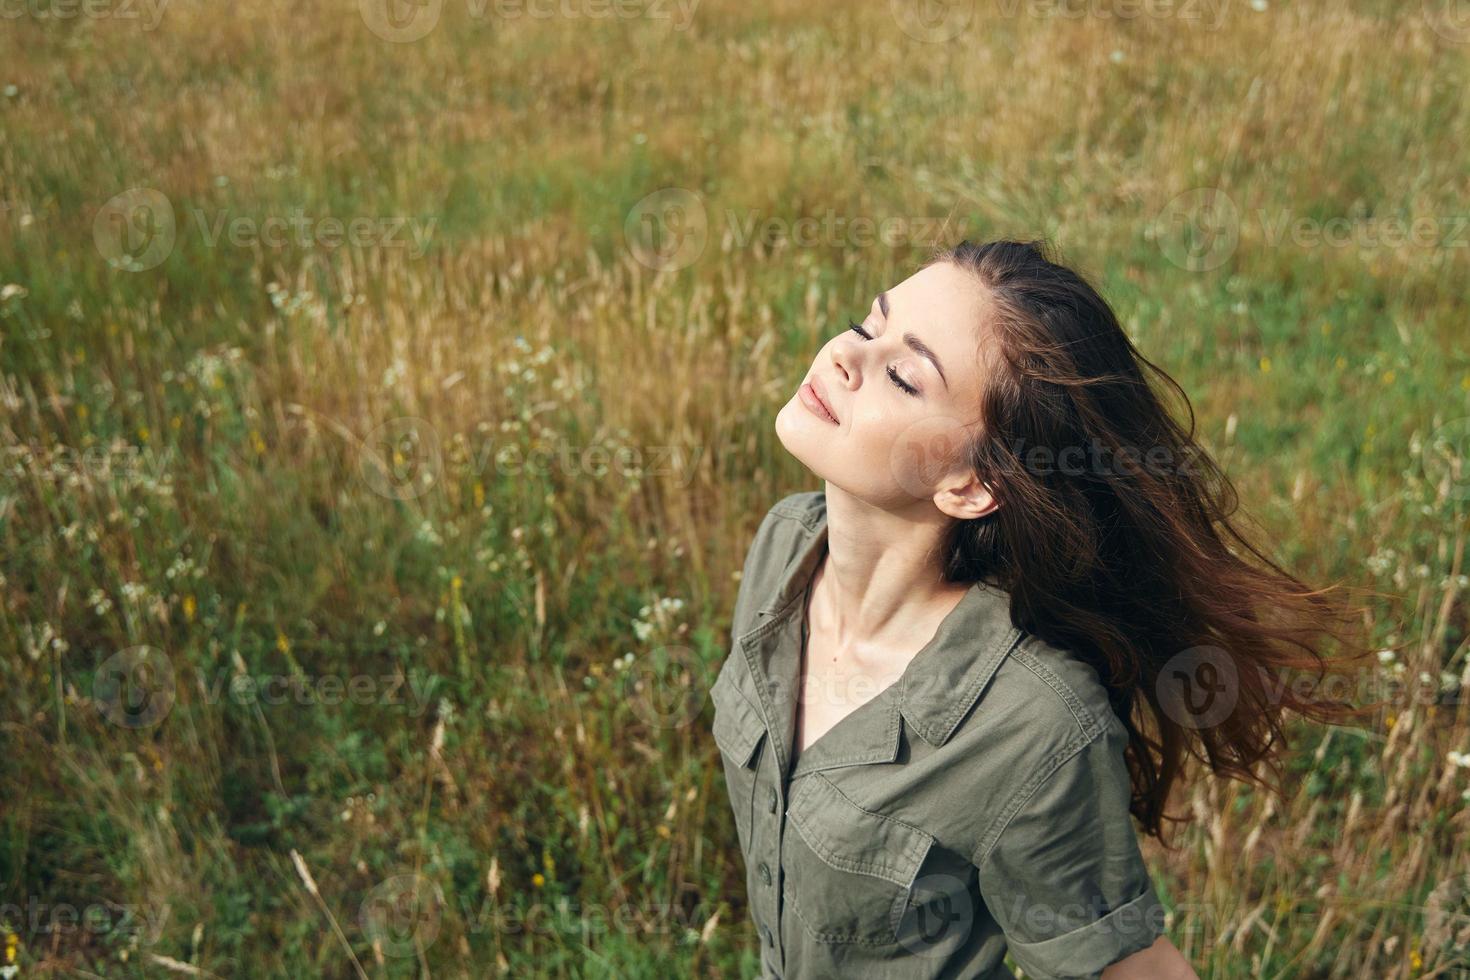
849	873
739	731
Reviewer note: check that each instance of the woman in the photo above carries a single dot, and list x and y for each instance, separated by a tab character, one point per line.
962	667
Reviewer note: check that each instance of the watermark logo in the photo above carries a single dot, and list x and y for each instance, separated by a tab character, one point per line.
1446	458
1450	19
136	230
668	229
663	687
402	914
401	21
1198	687
401	459
134	688
924	452
1199	229
932	21
939	917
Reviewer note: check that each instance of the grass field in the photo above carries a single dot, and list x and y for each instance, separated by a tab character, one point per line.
386	403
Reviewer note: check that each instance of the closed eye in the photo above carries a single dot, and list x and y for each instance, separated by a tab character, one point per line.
899	382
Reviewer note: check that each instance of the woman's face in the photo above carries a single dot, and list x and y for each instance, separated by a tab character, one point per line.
904	397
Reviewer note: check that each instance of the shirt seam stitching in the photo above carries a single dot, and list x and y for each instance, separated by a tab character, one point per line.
916	844
1085	719
805	514
1022	796
937	735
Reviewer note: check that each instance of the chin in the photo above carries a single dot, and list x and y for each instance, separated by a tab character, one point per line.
804	435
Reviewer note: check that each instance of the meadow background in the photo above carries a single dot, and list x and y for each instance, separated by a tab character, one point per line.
386	402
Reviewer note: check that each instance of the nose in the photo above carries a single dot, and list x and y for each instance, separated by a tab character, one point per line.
848	363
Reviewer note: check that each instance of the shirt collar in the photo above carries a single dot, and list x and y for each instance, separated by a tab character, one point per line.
946	677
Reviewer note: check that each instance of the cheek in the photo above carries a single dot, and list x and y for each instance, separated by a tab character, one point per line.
921	443
878	422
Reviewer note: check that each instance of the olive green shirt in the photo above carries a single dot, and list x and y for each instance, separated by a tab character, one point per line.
977	805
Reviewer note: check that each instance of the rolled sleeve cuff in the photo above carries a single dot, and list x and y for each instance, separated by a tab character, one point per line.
1087	950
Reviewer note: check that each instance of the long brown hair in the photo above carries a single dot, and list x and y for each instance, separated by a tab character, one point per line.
1122	550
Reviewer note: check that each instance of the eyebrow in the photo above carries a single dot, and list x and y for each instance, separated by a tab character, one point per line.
918	346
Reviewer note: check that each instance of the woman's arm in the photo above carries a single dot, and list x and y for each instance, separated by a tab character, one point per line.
1161	961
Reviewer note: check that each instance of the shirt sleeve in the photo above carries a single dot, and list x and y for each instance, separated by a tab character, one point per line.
1064	876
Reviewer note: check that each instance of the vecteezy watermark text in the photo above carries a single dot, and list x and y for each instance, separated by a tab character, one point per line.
405	21
403	458
138	229
137	688
1200	229
147	13
297	228
670	228
112	920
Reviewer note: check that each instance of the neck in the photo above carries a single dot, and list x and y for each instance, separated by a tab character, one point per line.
881	581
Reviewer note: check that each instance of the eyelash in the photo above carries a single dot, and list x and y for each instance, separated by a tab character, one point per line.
903	385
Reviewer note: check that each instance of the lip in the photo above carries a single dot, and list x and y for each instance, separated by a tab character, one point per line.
811	397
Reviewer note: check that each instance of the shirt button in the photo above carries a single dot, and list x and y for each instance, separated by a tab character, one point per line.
772	801
765	873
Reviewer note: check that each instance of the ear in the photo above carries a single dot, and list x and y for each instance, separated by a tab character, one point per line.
967	500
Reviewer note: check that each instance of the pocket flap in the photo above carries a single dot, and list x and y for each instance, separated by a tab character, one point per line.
852	839
738	726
